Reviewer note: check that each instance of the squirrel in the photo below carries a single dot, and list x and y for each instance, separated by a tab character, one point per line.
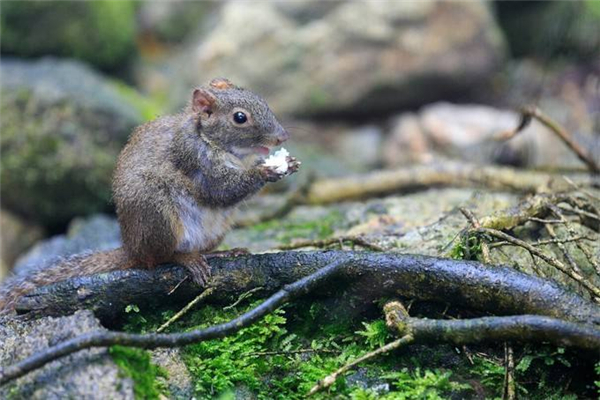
176	183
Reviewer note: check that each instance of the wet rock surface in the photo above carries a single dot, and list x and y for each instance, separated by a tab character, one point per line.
89	374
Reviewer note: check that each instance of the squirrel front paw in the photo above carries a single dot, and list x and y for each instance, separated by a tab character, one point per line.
273	173
293	165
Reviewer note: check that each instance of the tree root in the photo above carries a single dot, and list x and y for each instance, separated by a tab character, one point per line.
367	276
473	284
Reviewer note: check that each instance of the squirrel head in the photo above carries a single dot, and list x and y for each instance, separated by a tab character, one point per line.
236	119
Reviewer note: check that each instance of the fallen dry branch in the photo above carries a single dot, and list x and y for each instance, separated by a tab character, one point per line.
454	174
366	276
522	328
408	179
532	112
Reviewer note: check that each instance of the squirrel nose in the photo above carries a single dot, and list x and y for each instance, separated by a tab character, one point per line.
282	135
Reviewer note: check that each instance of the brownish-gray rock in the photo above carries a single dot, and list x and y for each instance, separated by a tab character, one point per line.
346	58
89	374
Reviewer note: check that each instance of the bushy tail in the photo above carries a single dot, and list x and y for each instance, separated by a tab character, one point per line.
77	265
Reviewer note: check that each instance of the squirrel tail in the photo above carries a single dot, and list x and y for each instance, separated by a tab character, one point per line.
77	265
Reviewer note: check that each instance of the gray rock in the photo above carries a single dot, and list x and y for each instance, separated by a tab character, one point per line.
89	374
179	381
62	128
345	57
173	20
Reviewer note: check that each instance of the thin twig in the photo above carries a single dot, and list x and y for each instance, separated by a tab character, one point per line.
289	352
590	257
547	241
243	296
154	340
535	266
550	260
485	250
510	392
356	240
185	309
177	286
582	190
509	328
580	212
563	249
545	221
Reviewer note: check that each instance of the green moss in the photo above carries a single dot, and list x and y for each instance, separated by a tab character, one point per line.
99	32
287	230
137	365
223	368
468	247
417	384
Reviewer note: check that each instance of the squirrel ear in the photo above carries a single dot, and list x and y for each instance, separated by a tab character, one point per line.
203	101
221	83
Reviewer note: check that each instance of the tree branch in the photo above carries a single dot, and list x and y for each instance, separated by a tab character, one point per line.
366	276
523	328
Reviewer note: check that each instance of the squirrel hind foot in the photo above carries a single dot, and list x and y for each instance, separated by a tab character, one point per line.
197	266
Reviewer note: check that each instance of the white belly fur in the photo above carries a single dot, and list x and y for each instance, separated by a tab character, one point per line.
202	226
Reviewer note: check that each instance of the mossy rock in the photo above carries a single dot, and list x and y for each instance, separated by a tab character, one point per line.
99	32
62	128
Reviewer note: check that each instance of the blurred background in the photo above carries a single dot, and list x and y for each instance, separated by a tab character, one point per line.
360	85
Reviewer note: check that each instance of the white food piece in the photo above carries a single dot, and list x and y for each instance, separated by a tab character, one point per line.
278	160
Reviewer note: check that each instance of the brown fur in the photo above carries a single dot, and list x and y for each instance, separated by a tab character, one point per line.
176	182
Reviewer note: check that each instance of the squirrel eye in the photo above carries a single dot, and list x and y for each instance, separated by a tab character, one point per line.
239	117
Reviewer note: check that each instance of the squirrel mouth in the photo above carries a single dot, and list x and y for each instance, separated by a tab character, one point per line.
262	150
